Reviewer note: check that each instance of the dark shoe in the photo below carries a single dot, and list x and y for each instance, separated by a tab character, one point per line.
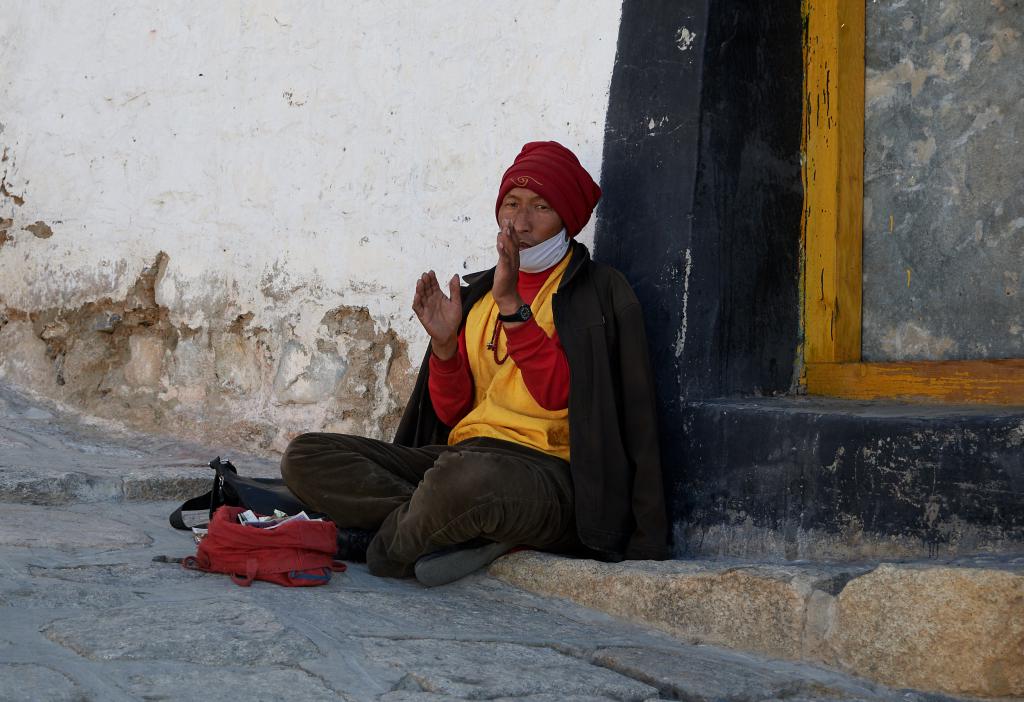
352	544
450	564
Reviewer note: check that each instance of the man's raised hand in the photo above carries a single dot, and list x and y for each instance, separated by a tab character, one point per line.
506	273
439	314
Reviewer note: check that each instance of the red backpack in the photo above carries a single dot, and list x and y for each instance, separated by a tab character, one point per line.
294	554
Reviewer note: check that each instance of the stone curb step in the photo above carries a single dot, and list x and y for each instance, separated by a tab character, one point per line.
56	487
955	629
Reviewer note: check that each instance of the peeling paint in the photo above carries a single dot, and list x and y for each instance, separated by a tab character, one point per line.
226	381
847	481
681	338
16	199
40	230
5	225
684	39
654	125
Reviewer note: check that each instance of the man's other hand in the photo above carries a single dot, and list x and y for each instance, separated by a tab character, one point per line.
439	314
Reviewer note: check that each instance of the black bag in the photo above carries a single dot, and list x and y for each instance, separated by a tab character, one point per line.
261	495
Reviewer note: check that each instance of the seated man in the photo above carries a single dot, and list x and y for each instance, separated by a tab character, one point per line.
533	417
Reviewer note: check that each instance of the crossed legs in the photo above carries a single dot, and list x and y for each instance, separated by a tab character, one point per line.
421	500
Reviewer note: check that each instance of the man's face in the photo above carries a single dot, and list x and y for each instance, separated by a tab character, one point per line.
532	218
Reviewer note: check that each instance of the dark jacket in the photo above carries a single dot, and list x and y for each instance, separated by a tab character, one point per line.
613	440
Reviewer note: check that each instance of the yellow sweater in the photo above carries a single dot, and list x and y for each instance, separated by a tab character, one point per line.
503	407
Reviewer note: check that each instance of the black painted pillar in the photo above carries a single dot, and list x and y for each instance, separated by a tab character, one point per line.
701	211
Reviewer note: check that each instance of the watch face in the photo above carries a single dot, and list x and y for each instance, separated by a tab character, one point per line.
524	313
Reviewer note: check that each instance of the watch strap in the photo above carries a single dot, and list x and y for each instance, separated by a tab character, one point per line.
522	314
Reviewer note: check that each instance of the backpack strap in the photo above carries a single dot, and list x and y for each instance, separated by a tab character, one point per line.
251	570
209	501
196	504
192	563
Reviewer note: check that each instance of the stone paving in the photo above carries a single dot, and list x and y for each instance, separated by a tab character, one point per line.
86	614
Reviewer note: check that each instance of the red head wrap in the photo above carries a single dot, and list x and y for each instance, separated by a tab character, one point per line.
553	172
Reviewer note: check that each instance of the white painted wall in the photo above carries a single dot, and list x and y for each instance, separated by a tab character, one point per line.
344	146
289	157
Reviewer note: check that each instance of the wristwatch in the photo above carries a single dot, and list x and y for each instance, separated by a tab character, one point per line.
521	315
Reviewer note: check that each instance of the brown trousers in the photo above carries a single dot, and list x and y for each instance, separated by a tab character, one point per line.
421	500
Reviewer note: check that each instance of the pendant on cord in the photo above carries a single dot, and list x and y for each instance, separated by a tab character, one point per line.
492	345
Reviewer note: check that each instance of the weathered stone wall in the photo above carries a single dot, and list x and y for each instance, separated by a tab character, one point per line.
211	219
943	195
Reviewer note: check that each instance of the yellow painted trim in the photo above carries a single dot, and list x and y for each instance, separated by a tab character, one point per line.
833	179
833	230
997	382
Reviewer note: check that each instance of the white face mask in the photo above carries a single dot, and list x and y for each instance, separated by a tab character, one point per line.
545	254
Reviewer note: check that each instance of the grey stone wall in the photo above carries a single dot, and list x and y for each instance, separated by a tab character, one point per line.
944	192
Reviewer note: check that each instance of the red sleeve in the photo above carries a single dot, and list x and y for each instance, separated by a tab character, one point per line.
451	385
542	361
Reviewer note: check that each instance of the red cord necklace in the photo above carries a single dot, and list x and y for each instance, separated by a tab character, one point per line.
493	343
